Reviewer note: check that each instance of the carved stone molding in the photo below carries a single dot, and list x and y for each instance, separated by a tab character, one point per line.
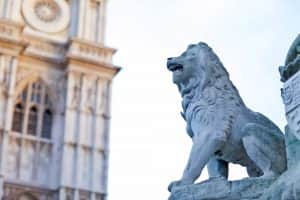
69	193
47	11
10	37
90	52
84	195
91	92
5	74
13	191
56	85
292	63
291	98
10	30
76	92
45	50
50	16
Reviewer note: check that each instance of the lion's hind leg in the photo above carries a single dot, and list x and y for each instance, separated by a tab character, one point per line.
254	171
257	155
217	168
263	149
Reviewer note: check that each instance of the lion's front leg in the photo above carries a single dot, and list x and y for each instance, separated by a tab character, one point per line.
203	149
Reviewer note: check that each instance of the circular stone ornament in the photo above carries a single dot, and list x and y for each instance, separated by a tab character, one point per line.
50	16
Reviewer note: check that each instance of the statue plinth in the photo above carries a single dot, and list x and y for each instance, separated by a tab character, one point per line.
222	189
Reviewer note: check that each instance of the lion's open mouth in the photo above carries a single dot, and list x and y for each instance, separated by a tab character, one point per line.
175	67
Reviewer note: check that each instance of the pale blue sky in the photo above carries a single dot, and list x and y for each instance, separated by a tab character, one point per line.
149	147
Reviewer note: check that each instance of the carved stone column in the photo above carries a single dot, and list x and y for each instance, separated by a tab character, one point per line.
290	92
11	64
287	185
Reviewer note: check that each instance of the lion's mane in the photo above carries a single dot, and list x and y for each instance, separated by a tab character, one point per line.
214	100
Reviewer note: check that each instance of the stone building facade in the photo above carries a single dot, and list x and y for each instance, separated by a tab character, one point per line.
55	85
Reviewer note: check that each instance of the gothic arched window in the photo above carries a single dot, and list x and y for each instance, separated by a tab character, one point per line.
34	112
18	118
32	121
47	124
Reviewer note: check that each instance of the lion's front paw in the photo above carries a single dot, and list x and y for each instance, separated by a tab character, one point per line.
177	183
173	184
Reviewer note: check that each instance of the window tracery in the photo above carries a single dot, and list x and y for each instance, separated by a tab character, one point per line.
32	121
18	118
47	124
33	113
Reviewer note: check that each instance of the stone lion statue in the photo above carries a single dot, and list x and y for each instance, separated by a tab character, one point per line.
222	128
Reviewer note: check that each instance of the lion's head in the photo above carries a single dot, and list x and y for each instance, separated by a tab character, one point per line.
197	66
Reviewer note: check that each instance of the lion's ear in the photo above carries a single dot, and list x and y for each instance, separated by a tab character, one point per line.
202	44
183	116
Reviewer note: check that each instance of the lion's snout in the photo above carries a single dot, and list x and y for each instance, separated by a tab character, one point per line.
174	65
171	61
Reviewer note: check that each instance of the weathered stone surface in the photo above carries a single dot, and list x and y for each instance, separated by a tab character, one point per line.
286	187
292	148
291	99
221	189
292	63
221	126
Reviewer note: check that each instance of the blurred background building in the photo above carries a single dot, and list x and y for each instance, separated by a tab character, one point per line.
55	85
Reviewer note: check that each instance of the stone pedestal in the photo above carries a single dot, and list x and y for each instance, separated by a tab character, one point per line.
221	189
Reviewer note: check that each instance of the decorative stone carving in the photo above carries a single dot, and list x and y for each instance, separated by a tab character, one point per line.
89	51
222	128
84	195
23	73
91	94
292	63
103	92
17	191
45	50
290	93
291	98
36	34
47	10
287	95
76	92
4	73
60	89
287	186
10	31
50	16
